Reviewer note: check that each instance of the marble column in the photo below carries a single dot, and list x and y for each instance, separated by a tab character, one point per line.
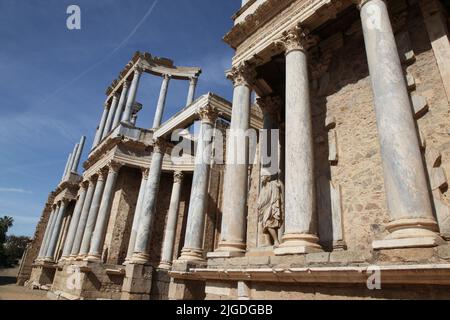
101	127
83	219
137	214
191	93
74	222
300	233
66	168
171	224
147	217
161	102
92	216
72	159
233	234
111	115
193	242
98	237
121	104
408	200
51	219
132	95
76	160
49	255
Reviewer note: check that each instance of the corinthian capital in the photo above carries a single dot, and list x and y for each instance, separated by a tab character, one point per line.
177	176
138	69
208	114
297	38
114	166
270	104
242	75
160	145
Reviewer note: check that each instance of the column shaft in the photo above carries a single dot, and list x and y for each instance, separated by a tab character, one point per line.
131	96
77	158
407	195
74	222
121	104
191	93
98	236
137	214
49	255
161	102
111	115
140	255
101	127
66	168
171	225
83	219
42	249
193	242
92	217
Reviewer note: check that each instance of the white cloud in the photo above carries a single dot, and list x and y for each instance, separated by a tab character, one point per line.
16	190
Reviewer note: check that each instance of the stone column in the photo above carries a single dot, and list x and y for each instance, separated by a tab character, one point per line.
236	174
171	225
137	214
111	115
74	221
49	255
66	168
101	127
72	159
76	160
300	233
132	95
121	105
193	242
83	219
92	217
140	254
191	93
161	101
408	201
51	219
104	212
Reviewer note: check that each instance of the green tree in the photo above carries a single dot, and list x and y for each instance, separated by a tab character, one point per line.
5	223
14	247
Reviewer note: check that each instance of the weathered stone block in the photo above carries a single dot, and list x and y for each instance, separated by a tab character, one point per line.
318	257
444	251
294	260
350	256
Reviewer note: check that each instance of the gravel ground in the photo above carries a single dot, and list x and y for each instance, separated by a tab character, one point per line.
10	291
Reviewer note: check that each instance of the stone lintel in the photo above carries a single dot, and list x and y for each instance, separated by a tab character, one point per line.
422	242
225	254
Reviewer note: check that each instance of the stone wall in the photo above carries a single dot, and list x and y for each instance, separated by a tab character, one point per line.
32	250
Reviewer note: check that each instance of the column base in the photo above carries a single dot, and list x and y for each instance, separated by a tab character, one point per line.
231	246
80	257
188	254
93	258
410	233
48	260
165	265
296	243
139	258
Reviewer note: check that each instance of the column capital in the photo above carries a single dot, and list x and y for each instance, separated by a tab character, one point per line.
160	145
114	166
145	172
360	3
137	69
167	76
101	173
208	114
84	184
125	85
243	74
178	177
65	201
269	104
297	38
193	80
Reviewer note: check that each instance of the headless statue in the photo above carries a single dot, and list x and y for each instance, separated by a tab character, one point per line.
269	207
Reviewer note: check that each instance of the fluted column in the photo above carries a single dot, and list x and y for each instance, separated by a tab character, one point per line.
171	225
111	115
49	255
101	127
236	174
83	219
104	213
161	101
74	221
193	242
140	254
92	217
132	95
300	234
121	104
76	159
412	222
191	93
43	248
137	214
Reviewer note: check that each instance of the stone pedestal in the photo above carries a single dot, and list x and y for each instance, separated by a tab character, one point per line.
137	283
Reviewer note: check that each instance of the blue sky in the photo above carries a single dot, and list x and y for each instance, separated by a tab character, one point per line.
46	106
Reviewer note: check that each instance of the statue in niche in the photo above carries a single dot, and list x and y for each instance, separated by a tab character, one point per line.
269	207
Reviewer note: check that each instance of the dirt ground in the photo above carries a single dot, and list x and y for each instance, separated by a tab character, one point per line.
10	291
